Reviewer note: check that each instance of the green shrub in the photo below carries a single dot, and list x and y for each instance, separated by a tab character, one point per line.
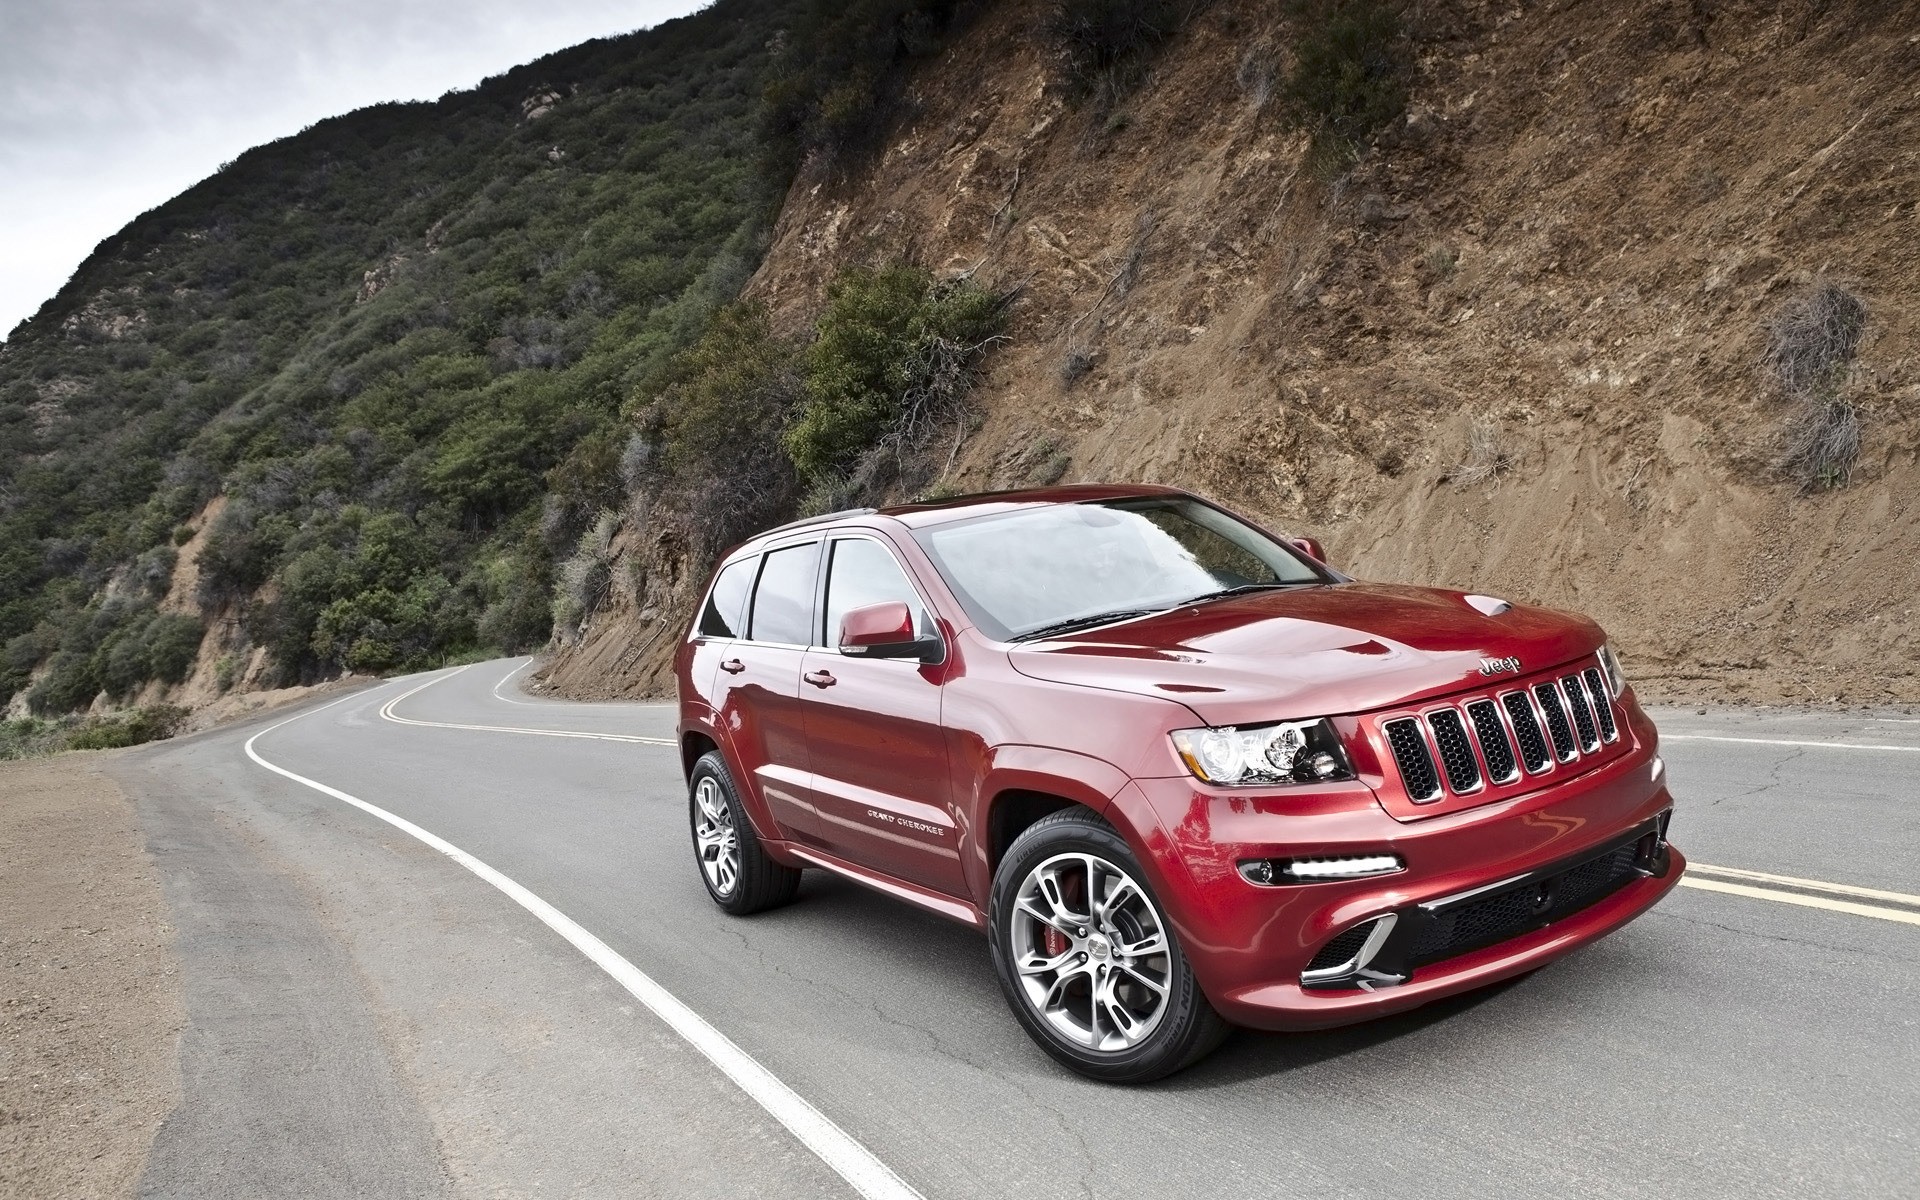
29	736
516	615
1349	76
381	630
172	644
731	390
71	682
894	351
835	83
1104	45
240	551
132	728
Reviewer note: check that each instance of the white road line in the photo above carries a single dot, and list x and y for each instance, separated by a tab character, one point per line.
503	682
852	1161
1845	906
562	704
1708	737
387	713
1839	889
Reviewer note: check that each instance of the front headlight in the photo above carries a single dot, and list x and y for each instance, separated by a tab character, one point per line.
1287	752
1610	666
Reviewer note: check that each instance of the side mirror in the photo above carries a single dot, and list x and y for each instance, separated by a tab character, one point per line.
1310	547
886	631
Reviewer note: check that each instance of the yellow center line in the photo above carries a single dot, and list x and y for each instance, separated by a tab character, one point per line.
387	713
1844	906
1839	889
1750	741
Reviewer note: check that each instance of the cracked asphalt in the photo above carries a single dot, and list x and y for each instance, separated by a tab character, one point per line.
367	1018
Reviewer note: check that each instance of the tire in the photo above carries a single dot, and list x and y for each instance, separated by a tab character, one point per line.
1077	993
754	882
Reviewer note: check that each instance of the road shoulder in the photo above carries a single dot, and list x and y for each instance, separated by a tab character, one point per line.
90	1006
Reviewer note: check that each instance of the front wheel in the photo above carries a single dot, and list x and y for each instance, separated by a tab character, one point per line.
1087	960
738	873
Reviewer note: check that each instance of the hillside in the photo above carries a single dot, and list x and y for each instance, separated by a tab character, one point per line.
1522	343
339	402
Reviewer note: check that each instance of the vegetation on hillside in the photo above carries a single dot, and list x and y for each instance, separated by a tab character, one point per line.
1104	46
836	78
426	353
1349	78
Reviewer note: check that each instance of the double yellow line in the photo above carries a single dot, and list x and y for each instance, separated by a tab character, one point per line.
1809	893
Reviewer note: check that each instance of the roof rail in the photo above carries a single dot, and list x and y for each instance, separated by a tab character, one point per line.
803	522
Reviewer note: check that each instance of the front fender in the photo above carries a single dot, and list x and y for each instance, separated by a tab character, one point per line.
1079	778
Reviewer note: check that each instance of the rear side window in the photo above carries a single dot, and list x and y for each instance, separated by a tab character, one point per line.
783	599
863	573
726	611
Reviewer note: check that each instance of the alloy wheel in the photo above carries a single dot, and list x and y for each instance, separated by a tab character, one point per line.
715	838
1091	952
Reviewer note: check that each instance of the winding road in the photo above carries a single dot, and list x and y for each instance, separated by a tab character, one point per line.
439	937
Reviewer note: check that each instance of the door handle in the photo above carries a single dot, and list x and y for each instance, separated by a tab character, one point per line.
732	666
820	679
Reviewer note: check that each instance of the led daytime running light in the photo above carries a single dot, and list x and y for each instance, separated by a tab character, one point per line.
1343	868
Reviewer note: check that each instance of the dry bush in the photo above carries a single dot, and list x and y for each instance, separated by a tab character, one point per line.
1075	367
1812	343
1822	443
1258	76
1811	347
585	577
1485	460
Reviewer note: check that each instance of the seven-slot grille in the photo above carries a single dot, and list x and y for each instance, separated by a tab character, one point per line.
1466	746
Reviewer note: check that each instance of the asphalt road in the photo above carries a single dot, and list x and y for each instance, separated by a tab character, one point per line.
370	1017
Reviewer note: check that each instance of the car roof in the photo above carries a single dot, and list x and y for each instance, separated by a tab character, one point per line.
953	508
936	512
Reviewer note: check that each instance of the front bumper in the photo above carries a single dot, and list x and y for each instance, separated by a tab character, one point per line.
1288	1005
1250	944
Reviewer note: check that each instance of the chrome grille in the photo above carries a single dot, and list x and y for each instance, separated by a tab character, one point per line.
1582	713
1526	729
1494	746
1456	752
1494	740
1602	704
1557	727
1411	756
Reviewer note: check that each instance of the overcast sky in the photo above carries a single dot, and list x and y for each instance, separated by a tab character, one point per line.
109	107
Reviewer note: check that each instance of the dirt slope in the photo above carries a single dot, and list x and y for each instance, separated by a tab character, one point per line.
1575	241
90	1010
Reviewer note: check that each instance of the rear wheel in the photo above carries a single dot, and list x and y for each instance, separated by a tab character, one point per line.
1087	960
738	873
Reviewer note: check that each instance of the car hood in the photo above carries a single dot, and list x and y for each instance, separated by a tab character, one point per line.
1310	652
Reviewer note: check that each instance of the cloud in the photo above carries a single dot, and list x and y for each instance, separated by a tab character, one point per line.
110	107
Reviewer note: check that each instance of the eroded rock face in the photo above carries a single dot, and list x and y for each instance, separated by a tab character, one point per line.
1562	260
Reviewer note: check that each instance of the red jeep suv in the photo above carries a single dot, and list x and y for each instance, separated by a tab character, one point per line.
1183	773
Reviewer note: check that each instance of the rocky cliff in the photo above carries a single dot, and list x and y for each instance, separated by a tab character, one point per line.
1522	344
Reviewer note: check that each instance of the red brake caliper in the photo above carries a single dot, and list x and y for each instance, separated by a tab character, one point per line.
1055	941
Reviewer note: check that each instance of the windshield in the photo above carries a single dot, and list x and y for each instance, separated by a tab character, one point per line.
1025	573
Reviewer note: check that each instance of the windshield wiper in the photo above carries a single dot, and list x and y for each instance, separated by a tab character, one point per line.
1245	587
1086	622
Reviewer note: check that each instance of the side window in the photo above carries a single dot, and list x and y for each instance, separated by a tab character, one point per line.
783	599
862	573
726	611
